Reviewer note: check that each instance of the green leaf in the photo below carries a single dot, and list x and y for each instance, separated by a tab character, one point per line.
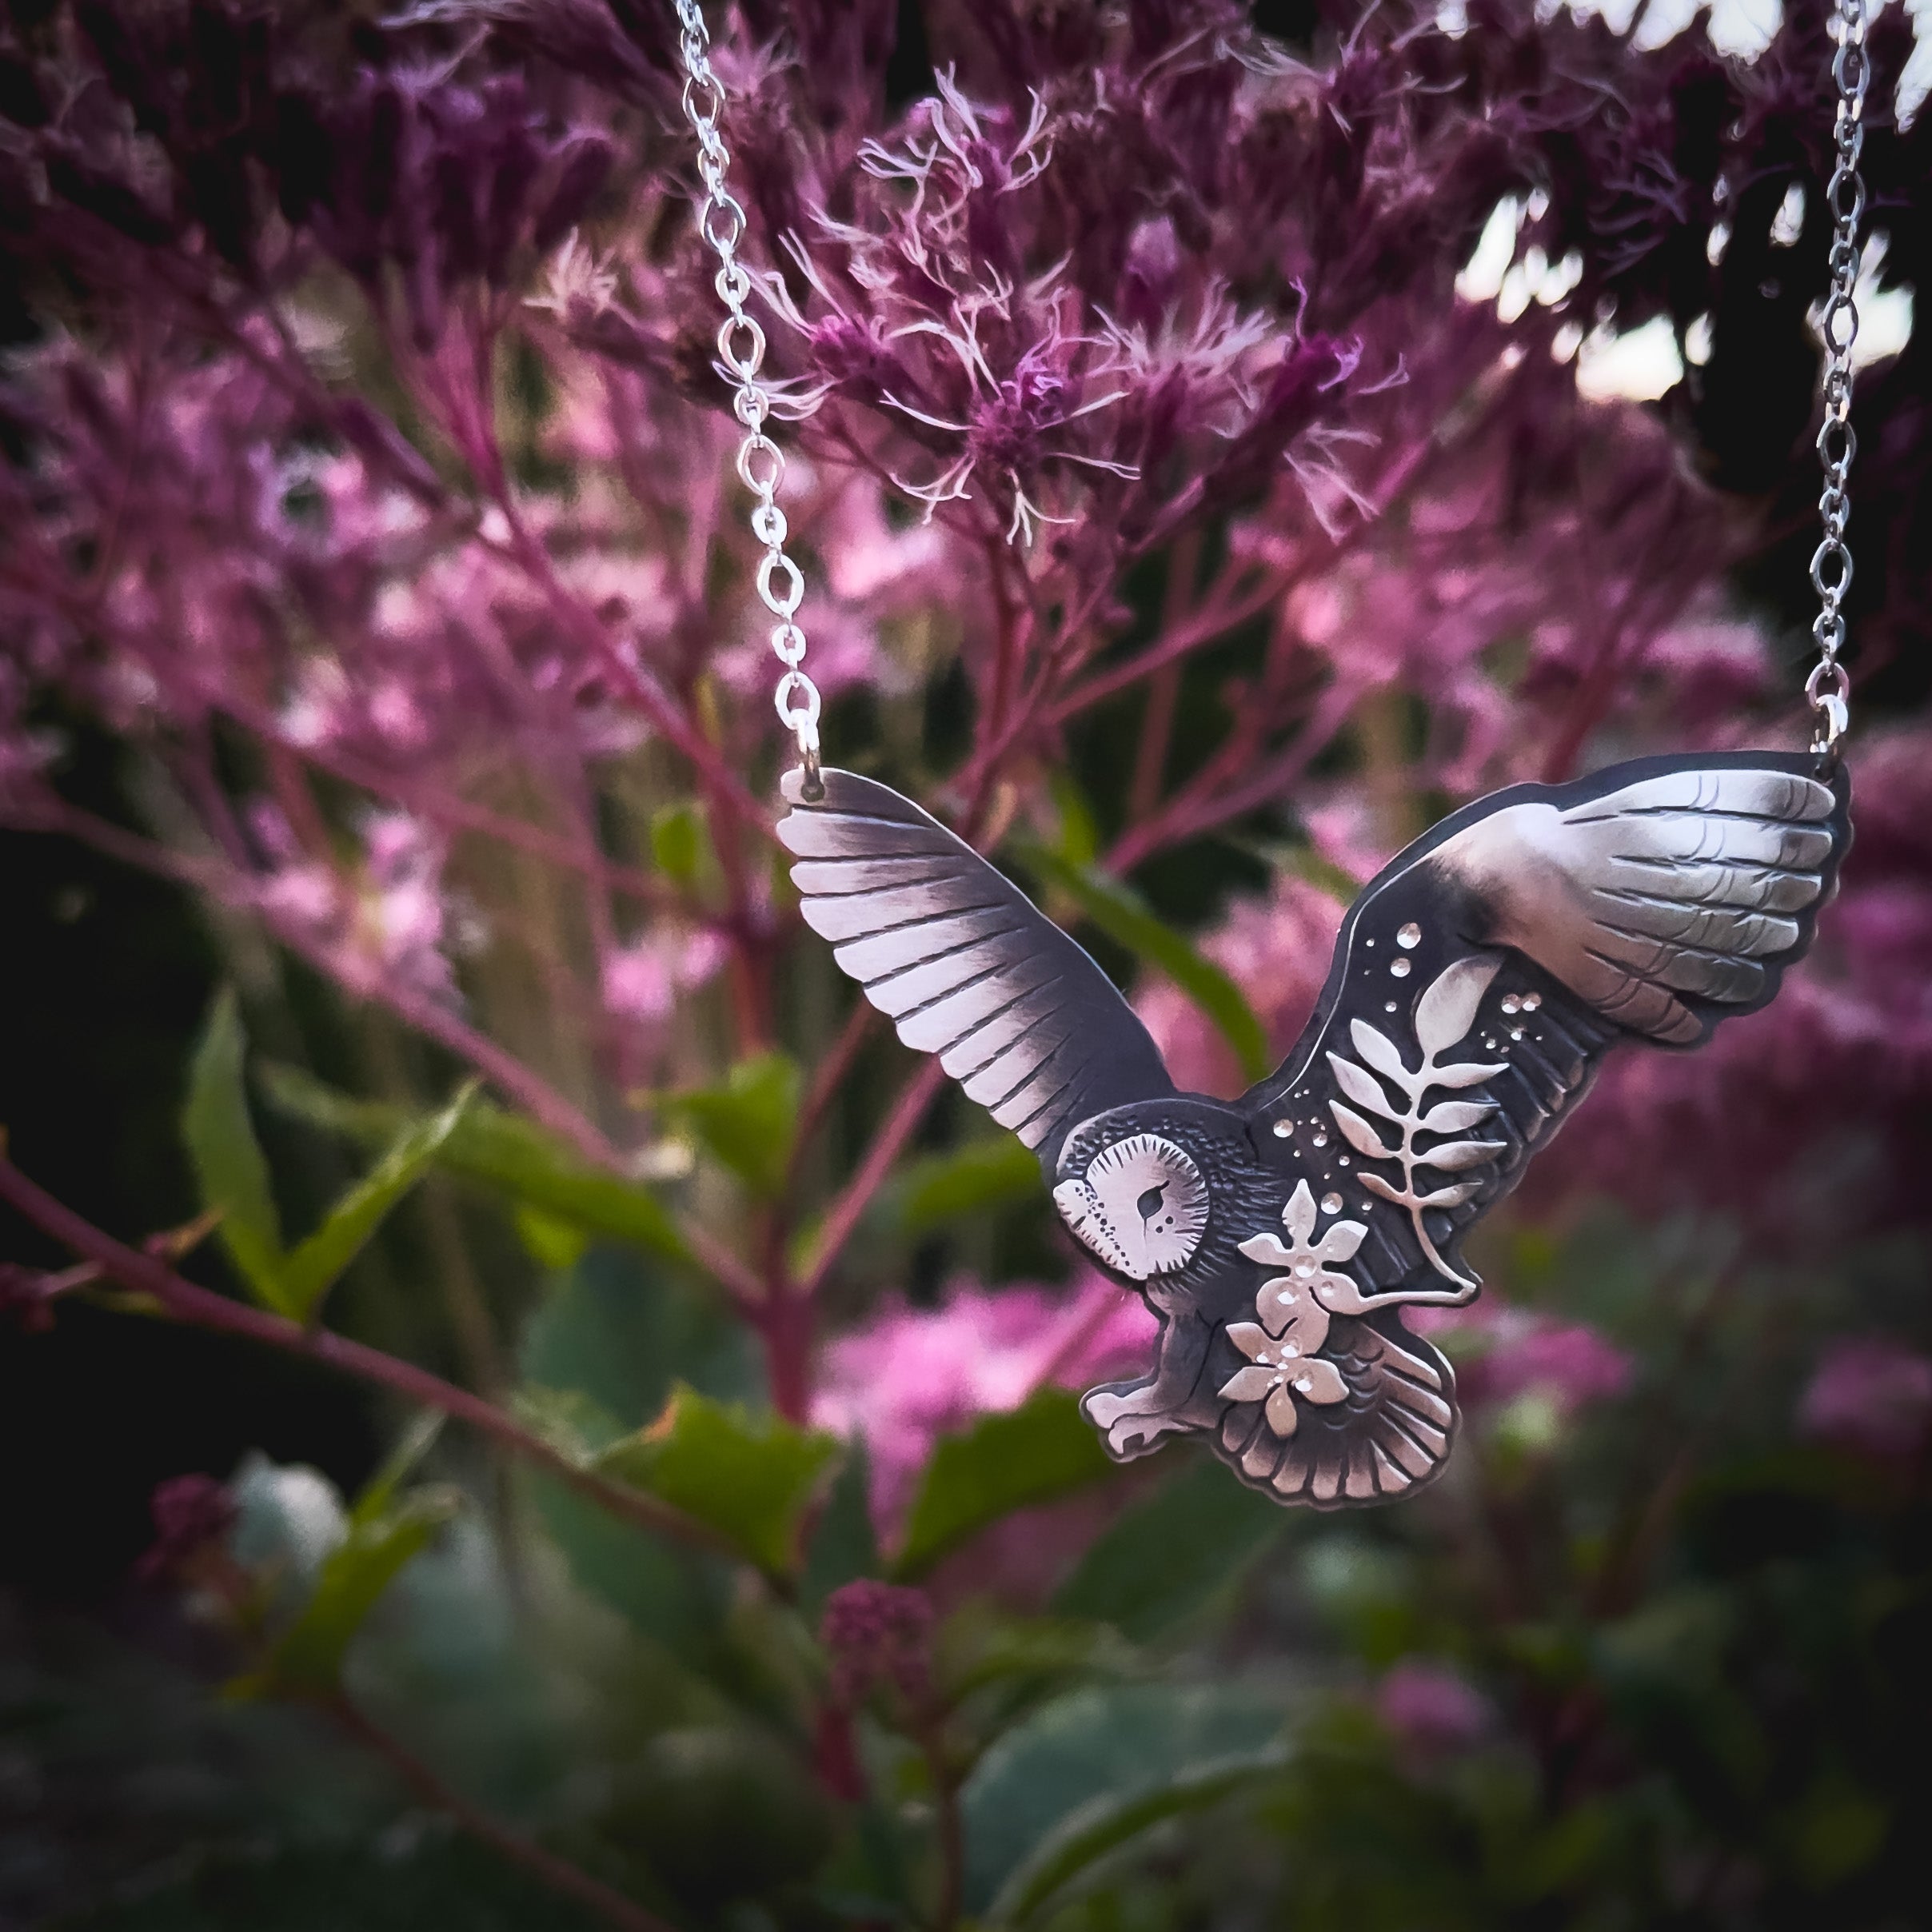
555	1246
307	1657
1086	1835
1170	1556
752	1479
1079	832
1121	913
380	1491
980	1646
750	1122
233	1176
313	1269
679	844
1002	1463
577	1426
507	1154
599	1358
844	1544
1083	1774
973	1180
624	1333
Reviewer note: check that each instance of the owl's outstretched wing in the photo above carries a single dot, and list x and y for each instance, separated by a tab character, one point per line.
1478	983
964	964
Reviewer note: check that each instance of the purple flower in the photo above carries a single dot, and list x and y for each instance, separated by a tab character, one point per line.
1513	1351
194	1515
1431	1709
1872	1396
878	1634
910	1375
643	982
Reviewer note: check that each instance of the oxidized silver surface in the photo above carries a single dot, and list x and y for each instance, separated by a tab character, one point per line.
1477	983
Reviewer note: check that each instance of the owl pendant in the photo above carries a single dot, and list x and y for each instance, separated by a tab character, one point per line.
1477	983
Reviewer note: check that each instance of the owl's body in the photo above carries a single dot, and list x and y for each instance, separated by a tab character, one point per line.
1477	983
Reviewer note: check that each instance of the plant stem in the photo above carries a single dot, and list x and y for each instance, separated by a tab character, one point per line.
203	1308
1163	688
951	1826
843	1214
828	1075
559	1874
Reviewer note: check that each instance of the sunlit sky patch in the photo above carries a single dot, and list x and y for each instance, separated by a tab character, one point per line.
1641	365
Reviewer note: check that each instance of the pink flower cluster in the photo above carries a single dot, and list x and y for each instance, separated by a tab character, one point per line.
1431	1709
1872	1396
910	1375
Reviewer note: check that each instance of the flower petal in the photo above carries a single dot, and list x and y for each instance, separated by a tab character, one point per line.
1298	1217
1250	1384
1280	1412
1280	1301
1253	1341
1268	1251
1320	1382
1341	1241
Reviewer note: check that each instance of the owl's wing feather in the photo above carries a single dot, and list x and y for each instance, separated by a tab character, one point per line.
964	963
1666	901
1478	984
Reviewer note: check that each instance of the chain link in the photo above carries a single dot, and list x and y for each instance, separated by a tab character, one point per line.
1828	690
740	341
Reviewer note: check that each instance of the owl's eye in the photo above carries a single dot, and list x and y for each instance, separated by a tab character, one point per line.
1141	1206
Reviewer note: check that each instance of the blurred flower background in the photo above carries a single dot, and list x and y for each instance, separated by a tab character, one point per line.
522	1408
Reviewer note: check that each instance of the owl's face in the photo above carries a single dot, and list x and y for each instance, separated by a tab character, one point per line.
1141	1205
1166	1191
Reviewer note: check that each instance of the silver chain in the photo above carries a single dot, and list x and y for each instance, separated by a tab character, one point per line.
761	463
1828	688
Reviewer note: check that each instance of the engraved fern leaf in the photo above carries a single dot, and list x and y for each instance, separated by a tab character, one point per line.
1444	1014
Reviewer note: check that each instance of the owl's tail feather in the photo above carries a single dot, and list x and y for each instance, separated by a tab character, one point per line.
1390	1435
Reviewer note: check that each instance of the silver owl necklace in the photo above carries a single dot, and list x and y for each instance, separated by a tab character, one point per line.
1478	982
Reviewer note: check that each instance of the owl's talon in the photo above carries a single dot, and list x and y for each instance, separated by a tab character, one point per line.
1130	1429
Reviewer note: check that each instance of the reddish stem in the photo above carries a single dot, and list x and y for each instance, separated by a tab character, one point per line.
561	1876
1163	693
785	1327
203	1308
888	1144
829	1076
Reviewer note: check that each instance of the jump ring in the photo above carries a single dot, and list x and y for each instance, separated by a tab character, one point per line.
795	684
701	80
726	204
1845	181
742	361
785	606
1827	681
762	483
1831	551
